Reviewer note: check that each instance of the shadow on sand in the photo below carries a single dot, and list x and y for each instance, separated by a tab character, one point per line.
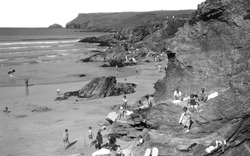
71	144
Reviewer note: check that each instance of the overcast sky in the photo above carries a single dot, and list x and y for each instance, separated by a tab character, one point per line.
42	13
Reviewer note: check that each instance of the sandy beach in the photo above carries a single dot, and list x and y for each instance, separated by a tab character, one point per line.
27	132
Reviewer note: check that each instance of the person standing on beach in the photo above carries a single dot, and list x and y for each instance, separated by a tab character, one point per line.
116	72
136	71
90	136
26	86
185	119
66	138
125	102
58	91
99	140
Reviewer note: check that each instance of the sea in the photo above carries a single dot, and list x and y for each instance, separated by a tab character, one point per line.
49	56
38	45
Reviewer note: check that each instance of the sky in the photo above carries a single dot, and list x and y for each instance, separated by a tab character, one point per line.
42	13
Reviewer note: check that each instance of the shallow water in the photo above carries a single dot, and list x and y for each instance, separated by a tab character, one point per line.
48	56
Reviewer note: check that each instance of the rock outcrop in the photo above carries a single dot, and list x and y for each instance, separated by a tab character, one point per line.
55	26
211	52
101	87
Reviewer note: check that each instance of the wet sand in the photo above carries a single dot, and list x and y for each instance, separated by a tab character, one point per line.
25	132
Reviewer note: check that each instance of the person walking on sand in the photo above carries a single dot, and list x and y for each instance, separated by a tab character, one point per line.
99	140
185	119
58	91
26	86
90	136
66	138
136	71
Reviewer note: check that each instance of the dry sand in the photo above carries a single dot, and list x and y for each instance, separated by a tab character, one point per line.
27	133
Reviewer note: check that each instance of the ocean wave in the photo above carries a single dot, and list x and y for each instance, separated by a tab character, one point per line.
37	51
12	48
66	45
52	55
37	42
4	60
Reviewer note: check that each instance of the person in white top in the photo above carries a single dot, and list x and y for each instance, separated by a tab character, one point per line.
177	94
58	91
125	102
185	119
90	137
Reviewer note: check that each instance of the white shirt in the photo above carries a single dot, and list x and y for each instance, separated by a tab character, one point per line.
177	95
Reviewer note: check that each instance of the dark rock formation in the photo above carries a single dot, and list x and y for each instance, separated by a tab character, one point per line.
55	26
101	87
212	53
107	40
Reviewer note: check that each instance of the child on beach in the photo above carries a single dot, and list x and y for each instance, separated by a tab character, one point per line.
90	136
185	119
66	138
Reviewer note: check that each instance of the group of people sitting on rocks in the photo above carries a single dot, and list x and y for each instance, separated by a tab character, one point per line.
193	101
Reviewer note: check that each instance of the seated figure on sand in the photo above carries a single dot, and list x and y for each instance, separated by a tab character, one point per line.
149	103
177	94
193	103
202	95
6	110
139	141
11	72
185	119
218	142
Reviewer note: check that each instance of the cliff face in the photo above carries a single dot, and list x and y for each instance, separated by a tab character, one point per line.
212	52
119	21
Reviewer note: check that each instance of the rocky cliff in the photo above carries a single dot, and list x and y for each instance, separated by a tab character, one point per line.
119	21
211	52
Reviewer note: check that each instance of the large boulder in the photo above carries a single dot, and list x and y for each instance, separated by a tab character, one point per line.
101	87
